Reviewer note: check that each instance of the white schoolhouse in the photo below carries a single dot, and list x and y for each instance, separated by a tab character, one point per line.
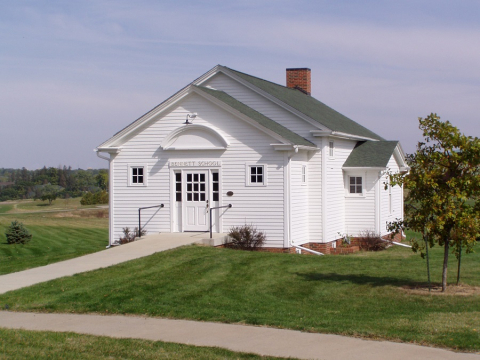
289	164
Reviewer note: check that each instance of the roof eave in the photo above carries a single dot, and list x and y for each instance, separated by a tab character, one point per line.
292	147
340	135
353	168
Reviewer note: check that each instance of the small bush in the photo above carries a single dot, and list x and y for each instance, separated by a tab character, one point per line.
16	233
245	237
129	236
371	241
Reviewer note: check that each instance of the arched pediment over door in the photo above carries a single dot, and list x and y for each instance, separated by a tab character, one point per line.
194	137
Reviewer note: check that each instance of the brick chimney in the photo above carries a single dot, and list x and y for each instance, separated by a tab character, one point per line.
299	78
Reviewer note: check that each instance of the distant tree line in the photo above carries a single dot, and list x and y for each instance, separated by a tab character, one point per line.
42	183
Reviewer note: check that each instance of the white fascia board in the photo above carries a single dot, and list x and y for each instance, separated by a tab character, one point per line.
225	71
241	116
366	168
201	79
110	150
321	133
117	138
289	147
338	134
400	156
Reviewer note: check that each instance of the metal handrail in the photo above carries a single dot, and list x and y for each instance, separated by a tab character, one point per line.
139	217
217	207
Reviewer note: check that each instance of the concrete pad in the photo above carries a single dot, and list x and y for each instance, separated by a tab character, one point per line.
260	340
147	245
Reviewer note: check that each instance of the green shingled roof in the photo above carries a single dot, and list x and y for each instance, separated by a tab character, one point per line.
266	122
371	154
309	106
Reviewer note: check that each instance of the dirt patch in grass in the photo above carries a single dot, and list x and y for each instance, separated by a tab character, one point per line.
87	213
460	290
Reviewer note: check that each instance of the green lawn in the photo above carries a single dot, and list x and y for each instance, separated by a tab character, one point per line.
56	237
20	344
356	295
4	208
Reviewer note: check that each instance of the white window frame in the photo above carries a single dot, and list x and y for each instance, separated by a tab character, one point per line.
304	176
347	184
248	174
130	175
331	149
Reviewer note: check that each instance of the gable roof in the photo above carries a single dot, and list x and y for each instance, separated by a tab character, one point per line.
309	106
261	119
371	154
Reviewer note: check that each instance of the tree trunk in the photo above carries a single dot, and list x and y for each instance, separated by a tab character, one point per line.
445	264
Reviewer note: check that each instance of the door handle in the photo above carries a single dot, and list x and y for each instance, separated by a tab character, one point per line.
207	206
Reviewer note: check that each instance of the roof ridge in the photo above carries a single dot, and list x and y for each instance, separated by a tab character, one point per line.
256	77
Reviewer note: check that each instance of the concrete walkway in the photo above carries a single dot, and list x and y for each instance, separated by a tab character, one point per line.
147	245
259	340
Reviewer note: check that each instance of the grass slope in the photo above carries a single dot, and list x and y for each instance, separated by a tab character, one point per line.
21	344
359	295
57	236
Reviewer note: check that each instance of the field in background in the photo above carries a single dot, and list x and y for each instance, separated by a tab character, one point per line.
61	231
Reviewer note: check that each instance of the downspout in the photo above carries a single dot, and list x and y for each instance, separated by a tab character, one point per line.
288	199
304	248
289	193
110	196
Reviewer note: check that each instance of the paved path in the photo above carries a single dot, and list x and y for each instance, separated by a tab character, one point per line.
148	245
260	340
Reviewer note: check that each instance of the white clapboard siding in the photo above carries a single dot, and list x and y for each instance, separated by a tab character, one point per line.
299	200
386	215
360	210
260	104
261	206
335	188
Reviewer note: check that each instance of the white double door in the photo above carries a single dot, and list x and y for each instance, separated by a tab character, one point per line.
196	202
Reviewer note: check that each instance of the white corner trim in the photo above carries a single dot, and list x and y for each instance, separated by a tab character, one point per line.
324	190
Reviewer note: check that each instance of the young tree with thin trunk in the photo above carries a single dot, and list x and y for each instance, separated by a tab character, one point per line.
443	189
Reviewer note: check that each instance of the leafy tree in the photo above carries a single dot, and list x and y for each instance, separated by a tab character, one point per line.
16	233
101	179
49	193
443	189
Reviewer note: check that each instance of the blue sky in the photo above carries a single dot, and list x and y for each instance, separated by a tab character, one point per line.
74	73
